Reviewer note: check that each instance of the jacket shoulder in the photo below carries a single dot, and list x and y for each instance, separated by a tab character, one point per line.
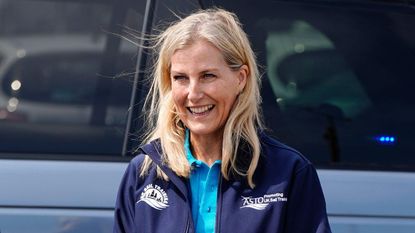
137	160
140	153
277	153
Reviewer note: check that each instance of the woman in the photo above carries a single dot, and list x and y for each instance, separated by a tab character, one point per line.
207	166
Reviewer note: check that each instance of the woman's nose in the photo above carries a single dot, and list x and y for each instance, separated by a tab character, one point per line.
195	91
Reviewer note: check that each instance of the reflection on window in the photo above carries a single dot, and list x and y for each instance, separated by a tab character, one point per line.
65	79
305	70
337	90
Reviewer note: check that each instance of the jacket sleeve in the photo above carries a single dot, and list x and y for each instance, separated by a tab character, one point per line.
125	204
306	205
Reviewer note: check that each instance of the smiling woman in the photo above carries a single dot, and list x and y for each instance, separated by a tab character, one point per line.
204	89
206	152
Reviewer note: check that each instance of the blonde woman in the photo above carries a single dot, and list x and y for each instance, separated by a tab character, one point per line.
207	166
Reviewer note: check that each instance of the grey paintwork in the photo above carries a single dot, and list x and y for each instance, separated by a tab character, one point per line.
78	196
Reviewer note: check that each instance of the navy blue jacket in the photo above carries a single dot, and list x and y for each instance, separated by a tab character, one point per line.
287	196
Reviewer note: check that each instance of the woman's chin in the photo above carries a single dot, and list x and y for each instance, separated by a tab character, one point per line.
202	130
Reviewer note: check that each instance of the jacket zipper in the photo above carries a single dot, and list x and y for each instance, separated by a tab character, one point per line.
189	216
187	226
219	205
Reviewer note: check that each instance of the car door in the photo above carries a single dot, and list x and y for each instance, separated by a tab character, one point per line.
337	87
71	90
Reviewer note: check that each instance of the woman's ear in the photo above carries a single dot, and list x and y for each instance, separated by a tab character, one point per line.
242	77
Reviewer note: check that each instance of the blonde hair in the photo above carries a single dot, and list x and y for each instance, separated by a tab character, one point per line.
222	29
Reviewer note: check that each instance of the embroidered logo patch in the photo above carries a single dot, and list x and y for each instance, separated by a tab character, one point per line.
155	197
260	203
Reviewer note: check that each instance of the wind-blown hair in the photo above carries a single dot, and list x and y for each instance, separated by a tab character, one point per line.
223	30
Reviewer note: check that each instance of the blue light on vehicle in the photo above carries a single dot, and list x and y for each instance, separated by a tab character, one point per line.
386	140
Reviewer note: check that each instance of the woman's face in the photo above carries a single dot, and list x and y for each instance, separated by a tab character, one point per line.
204	88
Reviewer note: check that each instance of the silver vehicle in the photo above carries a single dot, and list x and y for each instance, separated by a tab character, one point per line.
337	86
63	68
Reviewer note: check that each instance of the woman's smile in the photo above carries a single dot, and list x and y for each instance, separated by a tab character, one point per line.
201	110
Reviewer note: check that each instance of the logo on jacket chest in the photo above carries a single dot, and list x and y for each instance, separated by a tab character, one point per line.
260	203
155	197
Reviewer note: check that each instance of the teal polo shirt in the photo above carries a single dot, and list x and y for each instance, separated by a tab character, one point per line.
204	182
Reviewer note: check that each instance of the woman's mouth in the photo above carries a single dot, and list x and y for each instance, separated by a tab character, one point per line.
201	110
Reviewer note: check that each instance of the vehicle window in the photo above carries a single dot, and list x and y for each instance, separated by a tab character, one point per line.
61	79
165	12
66	75
336	82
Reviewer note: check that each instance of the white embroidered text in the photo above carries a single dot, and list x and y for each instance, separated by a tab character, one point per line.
260	203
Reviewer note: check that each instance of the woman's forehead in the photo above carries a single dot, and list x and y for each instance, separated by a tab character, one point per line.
200	54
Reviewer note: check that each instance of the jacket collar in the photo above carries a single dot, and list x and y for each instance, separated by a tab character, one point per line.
154	151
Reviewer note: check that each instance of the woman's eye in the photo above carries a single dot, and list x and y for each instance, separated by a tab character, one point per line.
208	75
179	77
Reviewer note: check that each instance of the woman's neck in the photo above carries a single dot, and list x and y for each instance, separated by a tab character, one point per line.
206	148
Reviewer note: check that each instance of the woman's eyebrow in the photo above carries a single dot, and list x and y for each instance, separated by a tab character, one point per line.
204	71
177	73
209	70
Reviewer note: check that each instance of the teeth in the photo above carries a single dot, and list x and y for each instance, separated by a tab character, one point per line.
199	110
